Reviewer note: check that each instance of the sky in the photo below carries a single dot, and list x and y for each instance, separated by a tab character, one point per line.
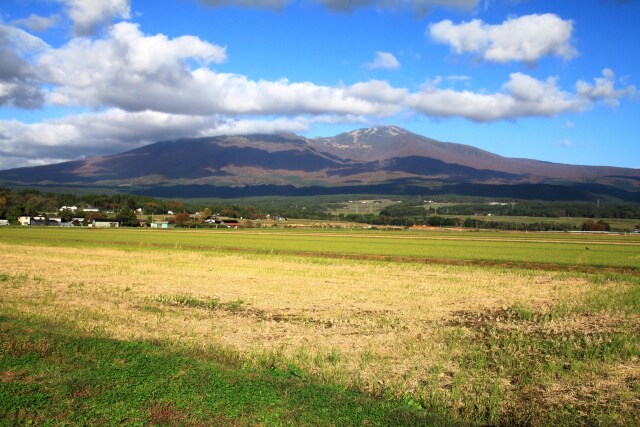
542	79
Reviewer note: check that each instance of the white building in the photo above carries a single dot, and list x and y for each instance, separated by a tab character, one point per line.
105	223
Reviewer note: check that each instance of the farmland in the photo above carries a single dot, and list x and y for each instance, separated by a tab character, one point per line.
318	327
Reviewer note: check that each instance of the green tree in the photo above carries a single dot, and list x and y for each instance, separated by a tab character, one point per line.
182	219
128	218
66	215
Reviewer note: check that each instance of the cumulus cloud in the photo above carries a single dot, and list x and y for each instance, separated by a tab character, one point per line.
527	38
134	72
19	86
521	96
603	89
125	68
377	91
90	15
384	60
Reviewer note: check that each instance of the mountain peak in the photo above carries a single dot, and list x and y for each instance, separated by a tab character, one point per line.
379	131
364	138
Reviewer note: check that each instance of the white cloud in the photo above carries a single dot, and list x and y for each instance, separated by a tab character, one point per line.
125	68
295	124
89	15
251	126
521	96
19	86
527	38
377	91
91	134
134	72
384	60
603	89
20	40
37	23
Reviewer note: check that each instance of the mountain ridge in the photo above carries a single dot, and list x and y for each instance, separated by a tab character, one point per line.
384	155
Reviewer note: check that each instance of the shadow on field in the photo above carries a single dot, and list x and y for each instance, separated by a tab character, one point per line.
51	374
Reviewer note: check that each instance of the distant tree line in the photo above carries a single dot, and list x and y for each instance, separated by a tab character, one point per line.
122	206
478	215
548	209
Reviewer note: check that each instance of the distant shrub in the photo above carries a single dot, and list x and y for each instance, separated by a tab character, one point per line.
590	225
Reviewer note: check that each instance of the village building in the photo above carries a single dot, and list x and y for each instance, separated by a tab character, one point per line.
230	223
104	223
160	224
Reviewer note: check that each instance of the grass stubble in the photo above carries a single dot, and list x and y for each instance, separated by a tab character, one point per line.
478	345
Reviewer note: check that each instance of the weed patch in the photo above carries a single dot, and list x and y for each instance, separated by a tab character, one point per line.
208	303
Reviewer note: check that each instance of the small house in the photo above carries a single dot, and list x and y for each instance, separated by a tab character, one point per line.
231	223
160	224
105	223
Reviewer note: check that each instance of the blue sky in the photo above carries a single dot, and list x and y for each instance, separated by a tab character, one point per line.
550	80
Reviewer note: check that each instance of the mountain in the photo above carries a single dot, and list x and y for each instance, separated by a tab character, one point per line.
385	159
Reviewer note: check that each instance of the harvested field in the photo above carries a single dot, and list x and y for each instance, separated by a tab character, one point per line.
473	343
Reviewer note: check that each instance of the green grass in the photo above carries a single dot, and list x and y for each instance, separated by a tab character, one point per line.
50	376
603	251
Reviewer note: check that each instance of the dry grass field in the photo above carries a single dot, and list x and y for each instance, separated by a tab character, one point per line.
487	345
